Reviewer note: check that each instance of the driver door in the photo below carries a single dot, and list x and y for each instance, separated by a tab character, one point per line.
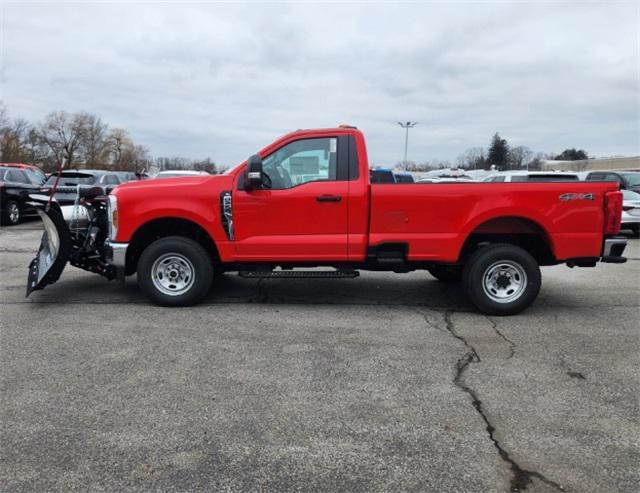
300	212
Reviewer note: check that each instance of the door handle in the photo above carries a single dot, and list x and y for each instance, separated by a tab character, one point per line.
328	198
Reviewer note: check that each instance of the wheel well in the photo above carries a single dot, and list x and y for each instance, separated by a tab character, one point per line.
160	228
518	231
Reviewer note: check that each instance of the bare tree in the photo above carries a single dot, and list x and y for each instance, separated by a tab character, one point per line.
13	135
520	156
118	141
62	133
205	165
93	143
472	158
134	158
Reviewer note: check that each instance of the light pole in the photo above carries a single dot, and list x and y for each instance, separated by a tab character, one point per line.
406	126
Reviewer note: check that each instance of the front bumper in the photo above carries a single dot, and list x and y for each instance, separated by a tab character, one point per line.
613	249
116	253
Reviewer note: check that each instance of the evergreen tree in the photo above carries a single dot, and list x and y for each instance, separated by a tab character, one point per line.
498	153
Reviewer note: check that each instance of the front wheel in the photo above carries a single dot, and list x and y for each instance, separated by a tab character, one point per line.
502	279
11	214
175	271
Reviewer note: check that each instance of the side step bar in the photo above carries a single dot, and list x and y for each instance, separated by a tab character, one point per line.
298	274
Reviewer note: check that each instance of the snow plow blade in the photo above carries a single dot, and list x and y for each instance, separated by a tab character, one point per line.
54	251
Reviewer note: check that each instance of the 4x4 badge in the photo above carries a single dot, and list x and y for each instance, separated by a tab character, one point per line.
576	196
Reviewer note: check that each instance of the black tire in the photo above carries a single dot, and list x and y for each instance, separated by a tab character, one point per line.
184	253
506	262
11	213
446	273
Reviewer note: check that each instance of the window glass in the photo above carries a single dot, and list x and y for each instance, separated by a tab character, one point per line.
595	176
3	172
71	178
519	178
35	177
497	178
633	179
381	176
112	180
612	177
17	176
302	161
551	178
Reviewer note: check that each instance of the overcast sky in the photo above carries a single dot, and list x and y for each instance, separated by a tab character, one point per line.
224	79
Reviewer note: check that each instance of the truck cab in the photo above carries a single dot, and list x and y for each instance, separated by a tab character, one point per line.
307	201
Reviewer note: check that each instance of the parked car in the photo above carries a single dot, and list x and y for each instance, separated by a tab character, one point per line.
73	181
403	177
180	173
36	175
631	211
16	183
381	175
531	176
628	180
177	234
126	176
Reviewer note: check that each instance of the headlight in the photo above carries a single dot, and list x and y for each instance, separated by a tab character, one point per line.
112	217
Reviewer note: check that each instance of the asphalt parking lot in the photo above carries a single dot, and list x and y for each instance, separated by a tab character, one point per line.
381	383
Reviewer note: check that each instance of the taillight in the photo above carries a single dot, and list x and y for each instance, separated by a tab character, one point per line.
612	212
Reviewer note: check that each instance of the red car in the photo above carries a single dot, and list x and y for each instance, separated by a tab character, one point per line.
306	201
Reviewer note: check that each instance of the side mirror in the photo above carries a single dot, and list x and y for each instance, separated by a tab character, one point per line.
253	178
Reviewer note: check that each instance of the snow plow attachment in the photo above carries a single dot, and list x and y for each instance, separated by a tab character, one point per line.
54	251
73	234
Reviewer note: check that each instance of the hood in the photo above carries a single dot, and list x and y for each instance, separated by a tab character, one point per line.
181	182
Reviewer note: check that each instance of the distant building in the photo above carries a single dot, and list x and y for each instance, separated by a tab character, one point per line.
621	163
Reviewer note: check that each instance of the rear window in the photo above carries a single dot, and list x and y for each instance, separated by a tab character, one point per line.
404	179
73	179
382	176
544	178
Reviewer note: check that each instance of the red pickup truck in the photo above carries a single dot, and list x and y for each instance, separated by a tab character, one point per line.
306	201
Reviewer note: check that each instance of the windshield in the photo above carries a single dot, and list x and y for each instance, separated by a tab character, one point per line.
633	179
73	179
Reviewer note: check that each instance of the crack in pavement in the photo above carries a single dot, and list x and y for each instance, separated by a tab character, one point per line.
512	345
521	477
569	370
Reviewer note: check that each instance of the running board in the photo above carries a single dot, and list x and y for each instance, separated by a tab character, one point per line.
299	274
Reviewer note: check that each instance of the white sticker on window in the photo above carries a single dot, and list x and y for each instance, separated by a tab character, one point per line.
333	145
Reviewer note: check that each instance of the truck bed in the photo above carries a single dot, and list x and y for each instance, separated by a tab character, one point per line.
436	218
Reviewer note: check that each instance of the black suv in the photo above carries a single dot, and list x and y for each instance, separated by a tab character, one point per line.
629	180
15	186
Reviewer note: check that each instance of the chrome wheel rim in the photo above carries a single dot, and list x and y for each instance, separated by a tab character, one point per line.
14	213
504	281
173	274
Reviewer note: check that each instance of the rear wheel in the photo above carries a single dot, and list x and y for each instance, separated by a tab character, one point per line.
502	279
446	273
175	271
11	213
